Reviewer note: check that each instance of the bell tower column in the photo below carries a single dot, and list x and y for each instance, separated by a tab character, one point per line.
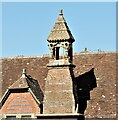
58	96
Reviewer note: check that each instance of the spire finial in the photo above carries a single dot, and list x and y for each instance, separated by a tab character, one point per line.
61	11
24	71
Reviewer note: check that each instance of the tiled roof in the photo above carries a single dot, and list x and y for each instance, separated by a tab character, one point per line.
22	82
103	98
26	81
60	30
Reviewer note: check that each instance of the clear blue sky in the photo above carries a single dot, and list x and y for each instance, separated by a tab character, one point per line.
26	26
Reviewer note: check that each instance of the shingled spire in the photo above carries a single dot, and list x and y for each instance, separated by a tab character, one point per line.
60	31
60	39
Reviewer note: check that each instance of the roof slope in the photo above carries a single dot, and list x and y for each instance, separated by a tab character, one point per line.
27	82
103	97
60	30
22	82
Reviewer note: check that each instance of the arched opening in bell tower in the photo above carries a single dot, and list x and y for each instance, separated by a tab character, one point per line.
58	53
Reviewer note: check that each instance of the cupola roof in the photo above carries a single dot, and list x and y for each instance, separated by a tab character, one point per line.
60	31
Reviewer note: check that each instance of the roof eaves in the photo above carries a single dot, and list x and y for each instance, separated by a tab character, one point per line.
19	88
5	96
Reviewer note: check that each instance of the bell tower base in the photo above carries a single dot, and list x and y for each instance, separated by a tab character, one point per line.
58	97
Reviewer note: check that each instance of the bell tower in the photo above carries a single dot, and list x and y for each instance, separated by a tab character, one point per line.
60	42
58	98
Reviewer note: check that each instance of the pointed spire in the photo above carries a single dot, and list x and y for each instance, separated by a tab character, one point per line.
60	31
